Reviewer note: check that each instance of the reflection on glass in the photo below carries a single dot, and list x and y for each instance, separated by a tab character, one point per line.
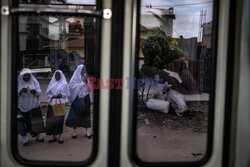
174	71
55	107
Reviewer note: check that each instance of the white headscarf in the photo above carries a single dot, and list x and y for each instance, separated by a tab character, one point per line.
57	87
27	101
77	86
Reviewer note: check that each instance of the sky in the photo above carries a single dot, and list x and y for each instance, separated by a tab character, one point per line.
187	16
187	13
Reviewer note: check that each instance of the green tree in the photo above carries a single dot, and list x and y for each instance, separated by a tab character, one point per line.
159	50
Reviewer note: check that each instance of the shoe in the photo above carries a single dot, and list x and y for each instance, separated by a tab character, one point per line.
40	141
26	144
74	137
89	137
52	140
61	142
33	134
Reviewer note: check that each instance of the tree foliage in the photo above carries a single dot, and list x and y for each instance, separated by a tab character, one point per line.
159	50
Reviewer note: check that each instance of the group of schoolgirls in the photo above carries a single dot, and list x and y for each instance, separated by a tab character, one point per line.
29	113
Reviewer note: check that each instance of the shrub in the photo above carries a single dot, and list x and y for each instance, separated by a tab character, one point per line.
159	50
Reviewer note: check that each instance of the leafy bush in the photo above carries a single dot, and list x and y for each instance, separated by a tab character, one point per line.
159	50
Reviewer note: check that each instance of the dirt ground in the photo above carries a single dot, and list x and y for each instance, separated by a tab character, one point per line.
78	149
160	137
166	137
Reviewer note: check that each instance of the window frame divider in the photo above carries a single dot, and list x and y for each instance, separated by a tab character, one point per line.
55	11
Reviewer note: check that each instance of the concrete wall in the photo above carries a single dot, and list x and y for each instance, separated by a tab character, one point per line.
207	34
189	46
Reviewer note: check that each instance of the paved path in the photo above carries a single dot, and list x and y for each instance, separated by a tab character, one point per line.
196	97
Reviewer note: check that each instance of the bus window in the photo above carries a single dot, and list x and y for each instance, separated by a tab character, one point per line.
55	116
174	96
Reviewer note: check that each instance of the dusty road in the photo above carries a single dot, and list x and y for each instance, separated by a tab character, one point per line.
78	149
163	144
166	137
160	137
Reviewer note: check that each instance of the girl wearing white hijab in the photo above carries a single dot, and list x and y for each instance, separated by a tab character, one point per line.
29	112
57	91
79	114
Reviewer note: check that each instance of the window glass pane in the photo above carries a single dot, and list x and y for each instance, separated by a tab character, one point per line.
174	85
79	4
55	107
